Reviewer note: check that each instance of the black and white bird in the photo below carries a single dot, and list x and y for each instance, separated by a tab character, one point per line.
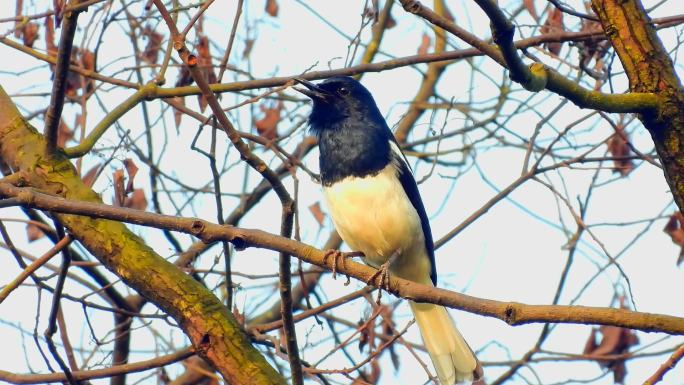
375	205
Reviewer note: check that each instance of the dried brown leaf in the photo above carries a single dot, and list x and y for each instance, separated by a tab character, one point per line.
89	177
366	335
272	8
73	84
136	200
529	6
268	125
178	114
318	214
204	64
184	77
239	317
204	60
553	24
87	59
29	34
614	341
202	101
376	371
249	44
618	146
594	47
33	232
590	345
64	133
154	43
131	170
119	190
675	229
425	44
610	340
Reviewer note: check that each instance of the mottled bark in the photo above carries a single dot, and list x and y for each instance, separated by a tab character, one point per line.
649	69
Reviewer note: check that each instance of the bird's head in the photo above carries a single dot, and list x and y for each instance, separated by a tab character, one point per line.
337	99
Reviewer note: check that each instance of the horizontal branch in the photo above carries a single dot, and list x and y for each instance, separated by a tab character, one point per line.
82	375
512	313
161	92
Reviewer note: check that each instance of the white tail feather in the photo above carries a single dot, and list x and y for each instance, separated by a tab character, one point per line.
450	354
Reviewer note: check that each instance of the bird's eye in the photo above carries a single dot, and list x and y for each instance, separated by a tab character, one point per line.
343	91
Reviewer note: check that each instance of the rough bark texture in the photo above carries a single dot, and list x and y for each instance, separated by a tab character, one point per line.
649	69
212	329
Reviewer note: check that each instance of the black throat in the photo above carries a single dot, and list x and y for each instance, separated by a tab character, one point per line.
352	147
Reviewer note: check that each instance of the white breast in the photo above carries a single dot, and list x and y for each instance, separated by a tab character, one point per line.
374	215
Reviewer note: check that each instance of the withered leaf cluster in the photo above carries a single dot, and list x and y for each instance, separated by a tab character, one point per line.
614	341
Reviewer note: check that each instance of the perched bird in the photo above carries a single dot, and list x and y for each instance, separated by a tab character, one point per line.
375	205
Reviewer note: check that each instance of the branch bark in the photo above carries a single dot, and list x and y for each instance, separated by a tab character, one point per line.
513	313
650	70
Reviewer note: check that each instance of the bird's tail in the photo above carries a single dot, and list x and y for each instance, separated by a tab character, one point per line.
453	359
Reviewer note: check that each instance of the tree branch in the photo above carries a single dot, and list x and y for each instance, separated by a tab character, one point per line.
513	313
209	325
54	112
539	76
650	70
82	375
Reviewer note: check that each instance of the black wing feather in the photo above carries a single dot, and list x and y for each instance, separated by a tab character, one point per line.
411	188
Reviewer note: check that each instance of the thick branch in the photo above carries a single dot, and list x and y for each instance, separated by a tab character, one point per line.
649	69
512	313
262	168
209	325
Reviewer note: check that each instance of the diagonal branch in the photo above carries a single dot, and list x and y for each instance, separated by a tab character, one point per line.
54	112
288	205
211	328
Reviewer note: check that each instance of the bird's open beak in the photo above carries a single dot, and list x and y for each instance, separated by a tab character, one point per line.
312	91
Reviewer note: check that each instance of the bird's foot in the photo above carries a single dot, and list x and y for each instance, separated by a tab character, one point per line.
337	256
383	275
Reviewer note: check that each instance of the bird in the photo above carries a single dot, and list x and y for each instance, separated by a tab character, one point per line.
374	202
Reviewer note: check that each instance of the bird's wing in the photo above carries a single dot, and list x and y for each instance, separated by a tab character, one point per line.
411	189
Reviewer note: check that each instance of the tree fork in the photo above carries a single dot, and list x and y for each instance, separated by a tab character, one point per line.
649	69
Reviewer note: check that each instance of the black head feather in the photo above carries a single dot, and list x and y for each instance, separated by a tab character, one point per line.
354	139
337	99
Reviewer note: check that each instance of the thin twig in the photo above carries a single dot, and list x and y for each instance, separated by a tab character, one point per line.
56	298
231	40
